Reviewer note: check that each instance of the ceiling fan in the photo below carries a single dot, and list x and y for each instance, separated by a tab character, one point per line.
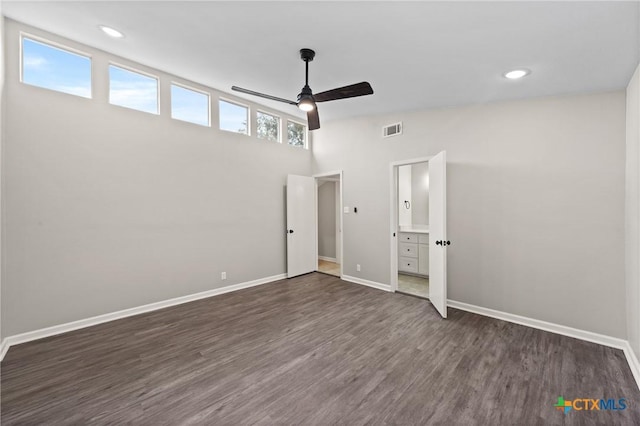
307	100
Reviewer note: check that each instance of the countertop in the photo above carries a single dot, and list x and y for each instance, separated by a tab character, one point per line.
415	230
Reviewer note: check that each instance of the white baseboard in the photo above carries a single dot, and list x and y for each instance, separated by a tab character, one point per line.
88	322
368	283
541	325
632	360
601	339
328	259
588	336
4	347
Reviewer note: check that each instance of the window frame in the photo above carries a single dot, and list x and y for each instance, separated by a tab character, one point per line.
306	134
260	111
193	89
54	45
236	103
136	71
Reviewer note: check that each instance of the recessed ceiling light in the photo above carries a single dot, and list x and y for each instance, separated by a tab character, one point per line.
516	74
111	32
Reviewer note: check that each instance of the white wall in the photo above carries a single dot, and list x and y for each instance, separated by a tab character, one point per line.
404	195
632	212
327	219
109	208
535	193
419	194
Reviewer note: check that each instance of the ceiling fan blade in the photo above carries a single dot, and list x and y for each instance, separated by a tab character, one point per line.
262	95
313	119
358	89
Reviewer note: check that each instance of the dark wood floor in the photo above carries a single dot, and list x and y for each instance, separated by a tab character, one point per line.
311	350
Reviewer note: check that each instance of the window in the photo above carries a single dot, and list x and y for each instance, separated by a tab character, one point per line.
268	127
54	68
133	90
297	134
189	105
234	117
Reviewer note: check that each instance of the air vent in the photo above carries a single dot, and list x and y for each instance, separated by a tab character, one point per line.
392	130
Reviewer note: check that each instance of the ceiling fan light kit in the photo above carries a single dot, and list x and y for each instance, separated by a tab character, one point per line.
306	104
306	100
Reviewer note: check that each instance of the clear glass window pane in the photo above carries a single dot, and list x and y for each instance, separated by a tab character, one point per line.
268	127
57	69
133	90
189	105
234	118
296	134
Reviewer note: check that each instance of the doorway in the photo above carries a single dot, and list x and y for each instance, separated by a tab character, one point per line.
413	228
329	223
418	229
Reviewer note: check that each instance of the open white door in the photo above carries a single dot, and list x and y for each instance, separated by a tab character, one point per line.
301	222
438	233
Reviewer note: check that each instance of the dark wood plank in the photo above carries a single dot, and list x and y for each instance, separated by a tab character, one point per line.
311	350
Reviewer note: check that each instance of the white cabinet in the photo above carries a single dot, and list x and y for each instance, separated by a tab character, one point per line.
408	250
408	264
406	237
413	253
423	259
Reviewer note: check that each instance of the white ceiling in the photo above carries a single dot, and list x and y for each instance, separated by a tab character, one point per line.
416	55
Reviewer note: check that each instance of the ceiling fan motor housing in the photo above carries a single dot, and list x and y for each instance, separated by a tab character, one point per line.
306	93
307	55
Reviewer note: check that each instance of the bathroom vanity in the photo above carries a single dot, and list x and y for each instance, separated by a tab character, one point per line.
413	252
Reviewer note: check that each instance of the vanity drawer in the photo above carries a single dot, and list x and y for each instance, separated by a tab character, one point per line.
408	250
407	264
408	238
423	238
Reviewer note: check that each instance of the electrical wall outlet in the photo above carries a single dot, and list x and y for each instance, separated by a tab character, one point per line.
223	276
358	267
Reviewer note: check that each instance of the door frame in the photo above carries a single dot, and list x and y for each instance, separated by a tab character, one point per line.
317	177
393	206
